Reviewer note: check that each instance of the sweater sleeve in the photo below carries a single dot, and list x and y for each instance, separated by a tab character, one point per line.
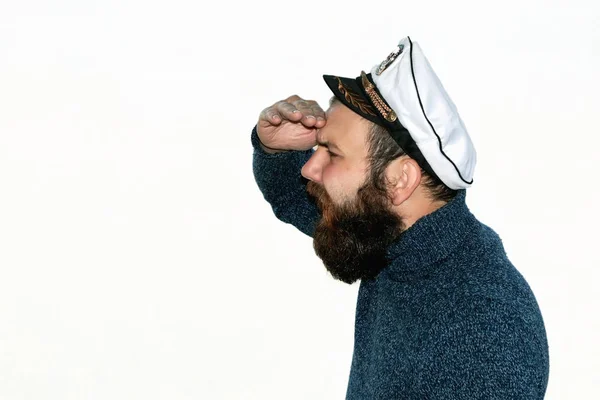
283	187
492	352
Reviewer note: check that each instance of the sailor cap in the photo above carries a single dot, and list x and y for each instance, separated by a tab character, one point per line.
404	95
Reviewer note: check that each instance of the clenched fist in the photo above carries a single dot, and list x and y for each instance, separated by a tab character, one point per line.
290	124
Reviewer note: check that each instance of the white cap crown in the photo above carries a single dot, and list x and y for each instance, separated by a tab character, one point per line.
411	88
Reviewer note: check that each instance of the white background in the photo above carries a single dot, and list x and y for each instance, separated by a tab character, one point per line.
138	260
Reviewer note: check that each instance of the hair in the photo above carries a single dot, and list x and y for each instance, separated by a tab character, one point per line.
383	149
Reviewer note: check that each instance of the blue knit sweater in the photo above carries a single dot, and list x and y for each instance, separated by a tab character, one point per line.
450	318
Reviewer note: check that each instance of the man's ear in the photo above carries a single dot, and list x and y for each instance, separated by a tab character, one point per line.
403	176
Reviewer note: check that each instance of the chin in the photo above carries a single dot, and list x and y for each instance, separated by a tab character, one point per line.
352	238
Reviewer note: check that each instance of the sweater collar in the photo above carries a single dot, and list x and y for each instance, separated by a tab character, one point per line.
433	236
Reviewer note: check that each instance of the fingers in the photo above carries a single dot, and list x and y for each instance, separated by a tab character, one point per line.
295	109
308	119
312	114
270	116
319	114
288	111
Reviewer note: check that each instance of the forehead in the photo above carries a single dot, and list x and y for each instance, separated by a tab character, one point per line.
344	127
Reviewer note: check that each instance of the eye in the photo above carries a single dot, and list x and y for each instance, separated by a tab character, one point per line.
331	154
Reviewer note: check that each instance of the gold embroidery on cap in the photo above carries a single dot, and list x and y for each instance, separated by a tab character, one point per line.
354	99
381	105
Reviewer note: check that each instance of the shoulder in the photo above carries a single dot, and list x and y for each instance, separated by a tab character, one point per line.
482	267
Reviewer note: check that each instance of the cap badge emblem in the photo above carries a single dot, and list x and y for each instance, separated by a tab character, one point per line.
390	59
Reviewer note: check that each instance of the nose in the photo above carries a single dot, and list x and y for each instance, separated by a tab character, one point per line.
313	169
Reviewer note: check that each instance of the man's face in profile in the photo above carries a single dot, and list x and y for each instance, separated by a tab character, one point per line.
357	223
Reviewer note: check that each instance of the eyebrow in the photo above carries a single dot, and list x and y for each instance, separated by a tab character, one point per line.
330	145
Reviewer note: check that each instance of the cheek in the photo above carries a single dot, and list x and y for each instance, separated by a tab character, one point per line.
338	182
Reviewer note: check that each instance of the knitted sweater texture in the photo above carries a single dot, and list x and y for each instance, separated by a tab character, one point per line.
449	318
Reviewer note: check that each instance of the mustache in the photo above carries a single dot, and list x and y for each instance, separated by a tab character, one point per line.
322	200
319	194
315	190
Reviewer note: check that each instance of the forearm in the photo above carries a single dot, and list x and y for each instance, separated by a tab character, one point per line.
278	177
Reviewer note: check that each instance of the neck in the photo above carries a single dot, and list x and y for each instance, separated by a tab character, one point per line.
416	207
433	236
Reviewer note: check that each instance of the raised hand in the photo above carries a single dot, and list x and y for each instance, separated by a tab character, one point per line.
290	124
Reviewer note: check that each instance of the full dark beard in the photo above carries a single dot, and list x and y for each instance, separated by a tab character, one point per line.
352	239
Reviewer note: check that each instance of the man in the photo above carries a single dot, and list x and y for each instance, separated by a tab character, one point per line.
441	312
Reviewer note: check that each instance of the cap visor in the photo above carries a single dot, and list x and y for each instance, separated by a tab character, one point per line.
351	94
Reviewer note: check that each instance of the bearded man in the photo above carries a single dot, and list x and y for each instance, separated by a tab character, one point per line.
441	313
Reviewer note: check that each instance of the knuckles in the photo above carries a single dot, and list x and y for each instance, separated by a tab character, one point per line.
294	101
